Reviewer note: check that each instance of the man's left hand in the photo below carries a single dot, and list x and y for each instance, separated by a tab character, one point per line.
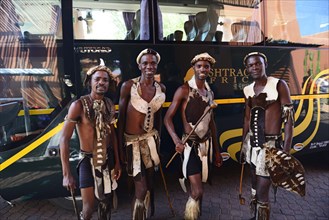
218	159
117	171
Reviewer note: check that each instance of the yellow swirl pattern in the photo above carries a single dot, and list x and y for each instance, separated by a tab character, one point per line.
232	149
303	126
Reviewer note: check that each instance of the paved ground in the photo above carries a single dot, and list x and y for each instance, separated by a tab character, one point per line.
220	200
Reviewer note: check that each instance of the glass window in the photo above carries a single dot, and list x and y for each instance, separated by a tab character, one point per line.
111	20
221	21
36	17
299	21
28	51
30	80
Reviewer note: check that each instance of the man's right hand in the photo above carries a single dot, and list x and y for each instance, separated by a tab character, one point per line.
243	150
242	158
69	182
180	147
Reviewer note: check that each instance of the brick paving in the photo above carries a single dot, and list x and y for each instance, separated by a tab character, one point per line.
220	199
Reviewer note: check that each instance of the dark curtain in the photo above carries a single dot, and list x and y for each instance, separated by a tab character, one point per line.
145	23
160	24
128	18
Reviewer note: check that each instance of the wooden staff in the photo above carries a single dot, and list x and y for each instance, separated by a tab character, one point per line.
241	199
166	189
75	204
212	106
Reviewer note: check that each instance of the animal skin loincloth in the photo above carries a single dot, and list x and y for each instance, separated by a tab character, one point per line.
142	149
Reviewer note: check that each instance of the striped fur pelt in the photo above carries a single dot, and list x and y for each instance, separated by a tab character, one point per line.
285	170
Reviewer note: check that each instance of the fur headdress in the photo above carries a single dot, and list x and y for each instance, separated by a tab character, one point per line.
203	57
254	54
100	67
148	51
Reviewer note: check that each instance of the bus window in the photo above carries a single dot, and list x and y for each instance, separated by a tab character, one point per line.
30	80
220	21
302	22
111	20
33	16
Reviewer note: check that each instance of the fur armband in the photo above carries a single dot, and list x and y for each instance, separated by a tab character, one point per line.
288	112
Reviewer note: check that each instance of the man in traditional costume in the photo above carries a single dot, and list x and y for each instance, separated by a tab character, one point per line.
267	107
99	168
139	123
194	99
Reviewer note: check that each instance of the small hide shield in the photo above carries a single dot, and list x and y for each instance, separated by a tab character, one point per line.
285	170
